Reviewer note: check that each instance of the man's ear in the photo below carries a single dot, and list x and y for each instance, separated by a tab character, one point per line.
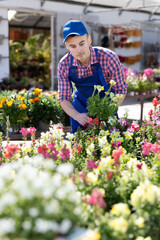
66	45
89	39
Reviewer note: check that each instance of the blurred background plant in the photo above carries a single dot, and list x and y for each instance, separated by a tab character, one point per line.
28	108
29	64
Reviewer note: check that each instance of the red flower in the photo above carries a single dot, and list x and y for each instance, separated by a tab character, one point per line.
150	113
155	102
109	175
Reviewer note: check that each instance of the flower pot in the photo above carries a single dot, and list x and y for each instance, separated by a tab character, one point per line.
42	126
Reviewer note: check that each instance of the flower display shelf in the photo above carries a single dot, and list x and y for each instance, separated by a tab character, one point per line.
18	136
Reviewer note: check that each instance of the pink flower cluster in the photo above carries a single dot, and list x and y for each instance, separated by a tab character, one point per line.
149	147
11	150
149	72
26	131
96	198
48	151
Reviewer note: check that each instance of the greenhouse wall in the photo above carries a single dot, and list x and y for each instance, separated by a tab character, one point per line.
4	47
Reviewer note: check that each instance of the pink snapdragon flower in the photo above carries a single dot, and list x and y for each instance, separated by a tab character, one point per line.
91	164
65	153
96	198
32	130
149	147
116	155
24	132
135	126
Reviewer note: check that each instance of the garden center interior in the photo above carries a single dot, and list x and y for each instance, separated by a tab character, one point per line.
130	28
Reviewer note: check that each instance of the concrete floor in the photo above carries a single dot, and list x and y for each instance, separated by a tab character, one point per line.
133	107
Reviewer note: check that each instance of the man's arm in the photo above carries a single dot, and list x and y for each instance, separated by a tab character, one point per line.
121	99
82	118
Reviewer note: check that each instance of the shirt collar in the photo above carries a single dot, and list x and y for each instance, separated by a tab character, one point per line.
93	58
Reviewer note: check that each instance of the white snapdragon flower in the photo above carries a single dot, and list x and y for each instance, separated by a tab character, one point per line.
52	207
65	226
65	169
43	226
33	212
7	226
26	225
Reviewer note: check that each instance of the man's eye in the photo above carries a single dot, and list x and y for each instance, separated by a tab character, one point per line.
81	44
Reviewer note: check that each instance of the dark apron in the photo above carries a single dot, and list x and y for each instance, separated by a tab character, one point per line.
85	88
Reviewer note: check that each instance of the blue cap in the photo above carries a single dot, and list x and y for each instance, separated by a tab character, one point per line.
73	27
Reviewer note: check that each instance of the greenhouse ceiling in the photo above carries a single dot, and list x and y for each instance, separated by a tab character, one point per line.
150	7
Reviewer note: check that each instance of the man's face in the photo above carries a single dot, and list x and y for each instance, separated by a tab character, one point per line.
78	46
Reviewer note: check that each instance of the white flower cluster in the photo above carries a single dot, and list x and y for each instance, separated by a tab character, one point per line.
38	198
145	195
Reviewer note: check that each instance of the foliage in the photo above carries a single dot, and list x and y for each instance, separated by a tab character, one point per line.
105	107
31	59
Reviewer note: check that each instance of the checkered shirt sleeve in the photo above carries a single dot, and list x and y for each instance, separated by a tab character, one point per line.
64	87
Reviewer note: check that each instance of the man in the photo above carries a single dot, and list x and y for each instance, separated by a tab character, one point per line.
85	66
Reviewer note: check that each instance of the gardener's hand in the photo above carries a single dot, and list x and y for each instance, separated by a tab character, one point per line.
82	118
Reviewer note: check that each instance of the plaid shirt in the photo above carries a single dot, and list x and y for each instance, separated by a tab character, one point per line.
110	65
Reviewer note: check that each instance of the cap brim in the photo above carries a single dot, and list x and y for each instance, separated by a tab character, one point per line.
73	33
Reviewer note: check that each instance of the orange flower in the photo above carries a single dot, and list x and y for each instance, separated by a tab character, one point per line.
26	118
19	97
3	100
9	103
37	91
22	106
34	99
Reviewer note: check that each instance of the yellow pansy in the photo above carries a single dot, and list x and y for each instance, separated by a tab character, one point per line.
9	103
22	98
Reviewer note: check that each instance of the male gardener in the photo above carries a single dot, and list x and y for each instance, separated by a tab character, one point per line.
85	66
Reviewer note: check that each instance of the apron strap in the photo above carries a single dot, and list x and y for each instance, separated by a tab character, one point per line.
101	76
